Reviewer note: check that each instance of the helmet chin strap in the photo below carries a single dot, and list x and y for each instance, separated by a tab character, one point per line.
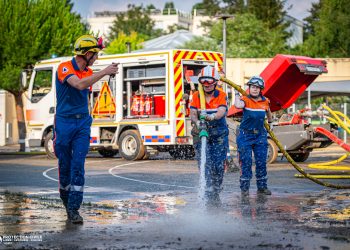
211	91
88	60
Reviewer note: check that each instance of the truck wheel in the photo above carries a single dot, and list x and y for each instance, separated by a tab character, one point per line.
182	152
48	144
272	151
108	153
300	157
131	146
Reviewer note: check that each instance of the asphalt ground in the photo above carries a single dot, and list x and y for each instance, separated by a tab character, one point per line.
154	204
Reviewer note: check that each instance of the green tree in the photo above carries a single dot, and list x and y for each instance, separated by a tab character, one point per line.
202	43
136	19
208	7
169	8
249	37
118	45
175	27
270	12
32	30
169	5
313	18
331	31
234	6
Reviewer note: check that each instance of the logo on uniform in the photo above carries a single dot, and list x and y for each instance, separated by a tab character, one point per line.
64	70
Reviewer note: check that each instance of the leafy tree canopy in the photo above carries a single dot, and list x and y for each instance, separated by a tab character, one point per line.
249	37
246	37
169	5
32	30
135	19
118	45
329	30
209	7
202	43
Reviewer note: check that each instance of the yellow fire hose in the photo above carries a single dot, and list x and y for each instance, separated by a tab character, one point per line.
284	152
330	165
201	96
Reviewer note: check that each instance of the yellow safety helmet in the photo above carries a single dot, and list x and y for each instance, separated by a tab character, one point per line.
87	43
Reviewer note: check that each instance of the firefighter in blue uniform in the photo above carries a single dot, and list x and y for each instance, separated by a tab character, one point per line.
252	136
73	121
217	143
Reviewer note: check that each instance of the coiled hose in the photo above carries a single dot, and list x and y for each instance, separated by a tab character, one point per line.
284	152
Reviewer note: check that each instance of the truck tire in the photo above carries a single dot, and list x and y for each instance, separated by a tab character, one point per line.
272	151
131	146
48	144
300	157
186	152
108	153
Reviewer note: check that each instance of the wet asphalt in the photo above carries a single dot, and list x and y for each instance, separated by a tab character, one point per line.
154	205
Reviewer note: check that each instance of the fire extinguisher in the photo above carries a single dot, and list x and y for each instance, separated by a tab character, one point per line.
149	105
135	106
142	105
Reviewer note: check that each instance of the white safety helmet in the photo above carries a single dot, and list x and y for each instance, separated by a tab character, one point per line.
208	75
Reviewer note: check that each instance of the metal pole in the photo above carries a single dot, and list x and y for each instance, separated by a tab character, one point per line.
345	113
224	43
128	45
309	102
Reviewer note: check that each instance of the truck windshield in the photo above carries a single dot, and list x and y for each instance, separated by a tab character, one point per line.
42	84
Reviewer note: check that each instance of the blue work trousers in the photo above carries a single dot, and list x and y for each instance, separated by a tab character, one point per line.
247	143
71	144
216	151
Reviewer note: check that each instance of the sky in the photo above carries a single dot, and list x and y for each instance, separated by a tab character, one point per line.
299	8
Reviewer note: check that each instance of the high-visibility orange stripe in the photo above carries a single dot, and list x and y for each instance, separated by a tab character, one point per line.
185	55
178	81
216	58
176	55
193	55
180	128
205	56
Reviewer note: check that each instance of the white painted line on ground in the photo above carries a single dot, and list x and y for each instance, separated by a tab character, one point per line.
136	180
48	177
42	192
53	179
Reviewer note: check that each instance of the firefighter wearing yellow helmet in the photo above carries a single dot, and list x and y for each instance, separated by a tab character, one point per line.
73	121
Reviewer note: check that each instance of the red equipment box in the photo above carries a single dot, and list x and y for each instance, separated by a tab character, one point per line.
287	77
159	105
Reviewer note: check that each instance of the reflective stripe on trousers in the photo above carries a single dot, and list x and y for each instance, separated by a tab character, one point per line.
72	141
247	144
216	151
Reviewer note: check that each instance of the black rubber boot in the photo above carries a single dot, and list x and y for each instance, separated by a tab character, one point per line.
264	191
244	193
74	217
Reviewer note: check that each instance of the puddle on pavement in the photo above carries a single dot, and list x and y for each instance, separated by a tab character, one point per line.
20	213
319	210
